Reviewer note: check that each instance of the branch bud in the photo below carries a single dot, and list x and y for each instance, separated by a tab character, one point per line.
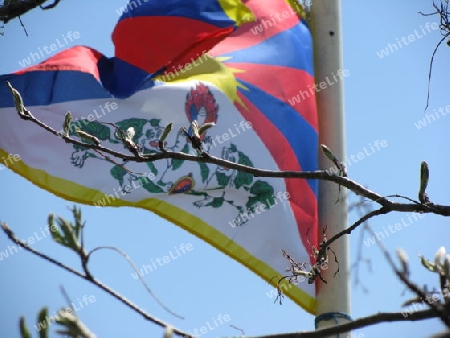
424	177
427	264
438	258
67	120
87	137
401	254
205	127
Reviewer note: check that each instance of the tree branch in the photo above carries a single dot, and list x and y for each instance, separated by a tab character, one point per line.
438	309
386	204
348	231
133	266
16	9
355	187
357	324
94	281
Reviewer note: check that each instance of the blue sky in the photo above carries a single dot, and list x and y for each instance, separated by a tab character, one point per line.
384	100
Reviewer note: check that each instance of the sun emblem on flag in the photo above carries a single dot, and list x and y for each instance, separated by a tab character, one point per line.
201	106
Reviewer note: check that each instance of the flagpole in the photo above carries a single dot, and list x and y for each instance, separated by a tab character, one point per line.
333	298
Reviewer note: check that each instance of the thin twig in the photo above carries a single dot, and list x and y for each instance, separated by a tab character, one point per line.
431	67
23	26
130	261
445	31
348	231
53	5
67	298
94	281
361	207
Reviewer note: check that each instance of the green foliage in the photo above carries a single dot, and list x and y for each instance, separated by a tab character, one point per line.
42	316
440	266
67	233
24	332
72	327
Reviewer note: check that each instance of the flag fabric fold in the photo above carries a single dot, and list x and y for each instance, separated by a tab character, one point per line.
244	65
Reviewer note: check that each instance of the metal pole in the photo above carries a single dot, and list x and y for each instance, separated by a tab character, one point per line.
333	298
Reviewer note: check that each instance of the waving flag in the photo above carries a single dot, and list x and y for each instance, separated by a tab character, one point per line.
244	65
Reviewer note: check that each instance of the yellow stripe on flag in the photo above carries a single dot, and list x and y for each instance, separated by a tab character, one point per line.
187	221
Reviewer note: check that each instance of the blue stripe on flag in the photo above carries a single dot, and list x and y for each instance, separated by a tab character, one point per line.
295	44
300	135
43	88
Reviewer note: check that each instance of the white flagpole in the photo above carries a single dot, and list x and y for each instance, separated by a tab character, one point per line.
333	298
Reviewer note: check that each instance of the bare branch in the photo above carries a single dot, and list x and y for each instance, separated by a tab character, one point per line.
130	261
358	323
16	9
94	281
362	208
431	68
438	309
355	187
443	13
348	231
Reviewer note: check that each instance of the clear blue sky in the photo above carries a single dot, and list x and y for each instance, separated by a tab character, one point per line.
384	98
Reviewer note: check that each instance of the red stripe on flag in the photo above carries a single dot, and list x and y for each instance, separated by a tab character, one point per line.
279	18
78	58
302	199
287	84
137	44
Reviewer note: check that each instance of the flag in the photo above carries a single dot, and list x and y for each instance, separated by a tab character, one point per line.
245	66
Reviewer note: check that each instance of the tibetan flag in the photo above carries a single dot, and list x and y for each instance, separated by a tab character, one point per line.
245	66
